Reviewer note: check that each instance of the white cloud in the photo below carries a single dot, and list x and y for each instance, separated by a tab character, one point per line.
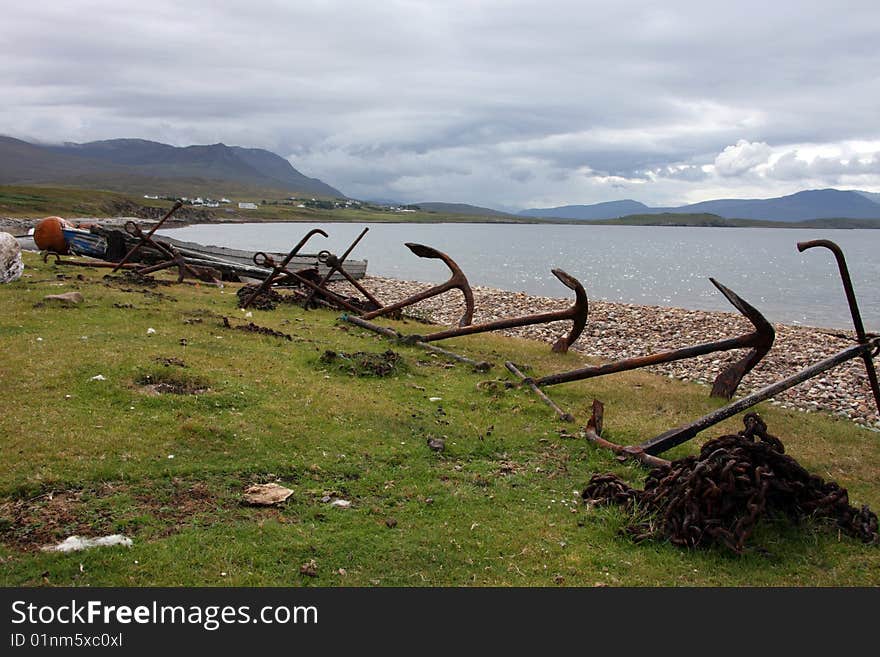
742	157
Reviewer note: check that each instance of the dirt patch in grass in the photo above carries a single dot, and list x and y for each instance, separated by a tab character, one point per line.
250	327
168	361
145	510
364	363
48	519
164	382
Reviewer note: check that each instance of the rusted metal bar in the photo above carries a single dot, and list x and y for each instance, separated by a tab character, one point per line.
530	382
324	292
684	433
861	336
355	283
280	267
456	280
337	263
593	432
726	382
577	313
479	366
84	263
148	237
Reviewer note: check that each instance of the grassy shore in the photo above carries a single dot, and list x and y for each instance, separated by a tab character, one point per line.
499	506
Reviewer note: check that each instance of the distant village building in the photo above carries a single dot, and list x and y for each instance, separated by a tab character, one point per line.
247	206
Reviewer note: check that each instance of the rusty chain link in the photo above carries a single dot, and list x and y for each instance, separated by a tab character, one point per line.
720	495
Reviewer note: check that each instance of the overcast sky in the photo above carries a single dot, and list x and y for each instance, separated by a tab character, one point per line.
504	104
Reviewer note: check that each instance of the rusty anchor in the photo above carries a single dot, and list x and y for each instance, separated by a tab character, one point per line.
867	347
577	313
279	270
174	258
335	264
456	281
726	383
148	238
305	278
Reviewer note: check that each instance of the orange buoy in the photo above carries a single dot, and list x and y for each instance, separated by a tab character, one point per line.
48	235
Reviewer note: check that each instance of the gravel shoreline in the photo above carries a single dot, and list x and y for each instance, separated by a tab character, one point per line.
619	330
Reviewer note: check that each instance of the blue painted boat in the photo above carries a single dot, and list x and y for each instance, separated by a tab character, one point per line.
83	242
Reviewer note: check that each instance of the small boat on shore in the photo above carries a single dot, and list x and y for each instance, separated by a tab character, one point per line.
84	242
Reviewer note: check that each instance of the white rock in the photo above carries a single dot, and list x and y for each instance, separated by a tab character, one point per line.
11	265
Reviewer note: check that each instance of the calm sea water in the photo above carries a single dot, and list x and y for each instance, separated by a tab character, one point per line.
651	265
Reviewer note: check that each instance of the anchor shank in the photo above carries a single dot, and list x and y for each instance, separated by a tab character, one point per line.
637	362
562	415
481	366
410	301
315	288
682	434
360	288
497	325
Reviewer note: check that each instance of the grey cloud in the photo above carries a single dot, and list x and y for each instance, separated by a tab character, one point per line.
454	96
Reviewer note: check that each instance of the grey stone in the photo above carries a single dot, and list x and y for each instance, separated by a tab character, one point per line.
11	265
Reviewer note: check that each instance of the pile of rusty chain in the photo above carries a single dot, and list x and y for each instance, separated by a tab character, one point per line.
721	494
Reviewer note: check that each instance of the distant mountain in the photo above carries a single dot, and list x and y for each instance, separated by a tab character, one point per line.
148	166
382	201
460	208
871	196
607	210
802	206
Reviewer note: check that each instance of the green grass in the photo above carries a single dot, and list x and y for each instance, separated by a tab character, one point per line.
33	201
497	507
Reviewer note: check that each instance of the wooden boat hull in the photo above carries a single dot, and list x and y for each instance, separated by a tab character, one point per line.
234	264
